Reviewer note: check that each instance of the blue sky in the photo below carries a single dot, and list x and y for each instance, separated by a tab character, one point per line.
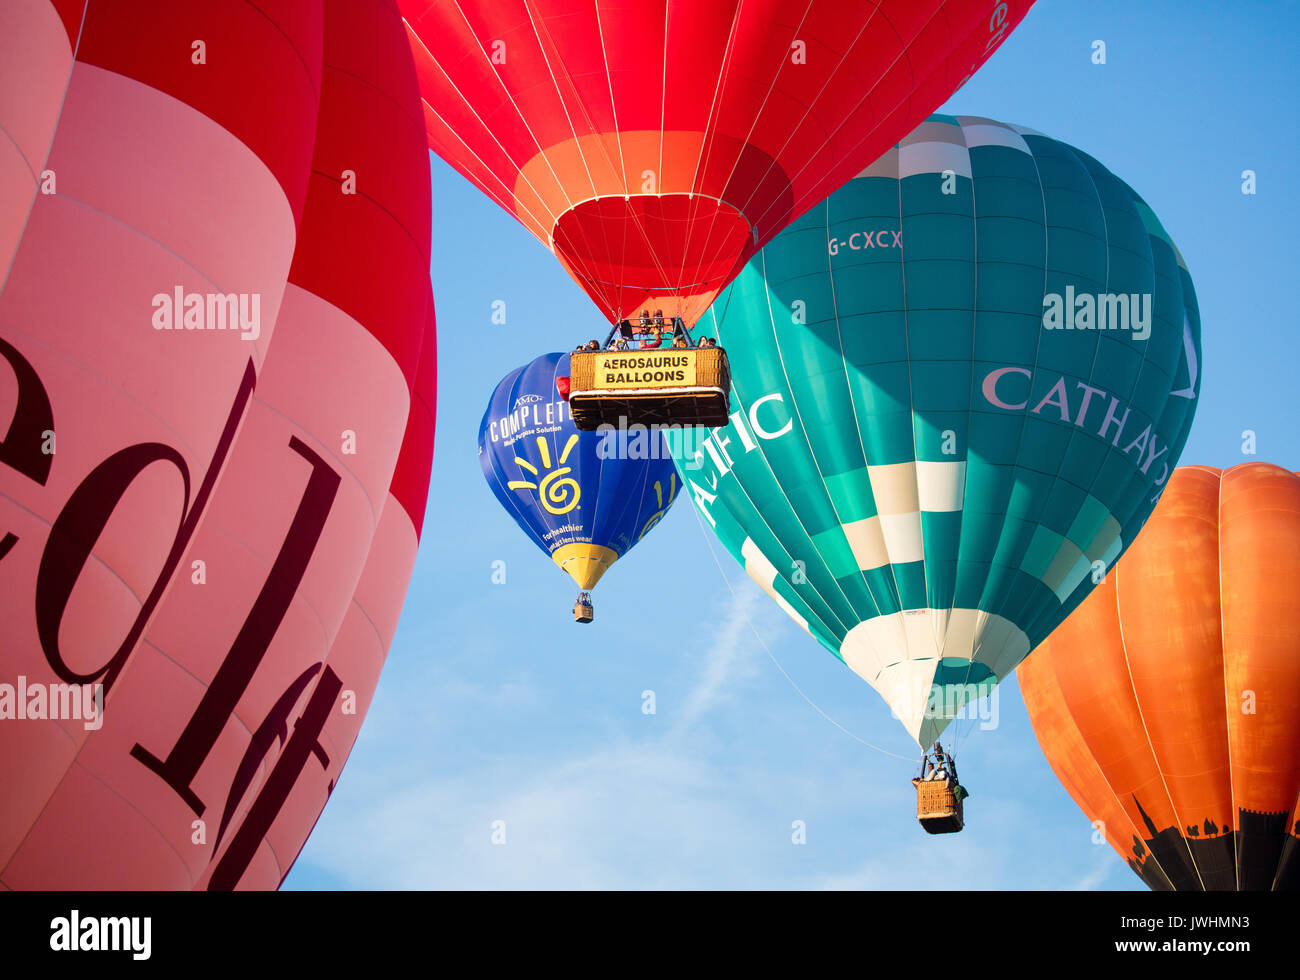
495	706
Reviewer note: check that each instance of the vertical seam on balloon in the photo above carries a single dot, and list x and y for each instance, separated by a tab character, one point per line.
813	613
479	183
1050	665
758	513
1026	610
159	835
970	412
1137	703
663	91
507	493
568	118
911	424
600	476
797	416
880	76
553	521
500	146
1185	427
997	602
723	67
816	189
617	311
1223	659
609	84
758	114
588	271
706	144
54	134
848	387
857	423
487	129
622	165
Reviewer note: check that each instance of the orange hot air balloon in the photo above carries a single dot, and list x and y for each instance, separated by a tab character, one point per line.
215	303
655	146
1166	702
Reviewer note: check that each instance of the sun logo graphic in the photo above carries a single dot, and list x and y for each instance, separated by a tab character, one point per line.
663	504
559	493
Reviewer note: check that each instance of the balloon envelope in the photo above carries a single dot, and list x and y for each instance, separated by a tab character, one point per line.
1164	703
654	146
584	498
922	468
217	378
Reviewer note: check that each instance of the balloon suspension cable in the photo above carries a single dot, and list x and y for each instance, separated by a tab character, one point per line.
789	679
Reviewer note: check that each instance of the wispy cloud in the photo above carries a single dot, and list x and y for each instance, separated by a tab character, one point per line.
730	657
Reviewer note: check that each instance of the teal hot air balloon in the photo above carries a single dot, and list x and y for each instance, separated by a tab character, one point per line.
958	386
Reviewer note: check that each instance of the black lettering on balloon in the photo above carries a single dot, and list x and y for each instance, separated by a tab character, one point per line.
22	447
274	728
304	742
83	518
219	700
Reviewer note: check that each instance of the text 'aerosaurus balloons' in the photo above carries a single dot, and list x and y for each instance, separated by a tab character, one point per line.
584	498
216	388
960	384
654	146
1166	702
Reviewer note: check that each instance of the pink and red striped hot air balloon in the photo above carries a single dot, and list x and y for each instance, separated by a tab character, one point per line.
217	373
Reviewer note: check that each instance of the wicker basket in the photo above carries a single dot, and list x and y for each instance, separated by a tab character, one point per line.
703	401
937	806
711	367
583	612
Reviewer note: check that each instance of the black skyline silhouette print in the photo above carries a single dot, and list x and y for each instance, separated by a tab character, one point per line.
1209	856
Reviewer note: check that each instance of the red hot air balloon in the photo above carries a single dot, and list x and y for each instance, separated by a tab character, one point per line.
216	387
654	147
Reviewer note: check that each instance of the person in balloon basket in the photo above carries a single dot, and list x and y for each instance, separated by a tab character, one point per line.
944	768
936	770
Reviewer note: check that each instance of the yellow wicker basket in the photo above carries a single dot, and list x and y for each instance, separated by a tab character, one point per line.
670	386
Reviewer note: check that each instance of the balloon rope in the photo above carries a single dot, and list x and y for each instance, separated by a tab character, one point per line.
789	679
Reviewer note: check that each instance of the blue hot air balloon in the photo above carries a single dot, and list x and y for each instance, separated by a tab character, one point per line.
585	498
